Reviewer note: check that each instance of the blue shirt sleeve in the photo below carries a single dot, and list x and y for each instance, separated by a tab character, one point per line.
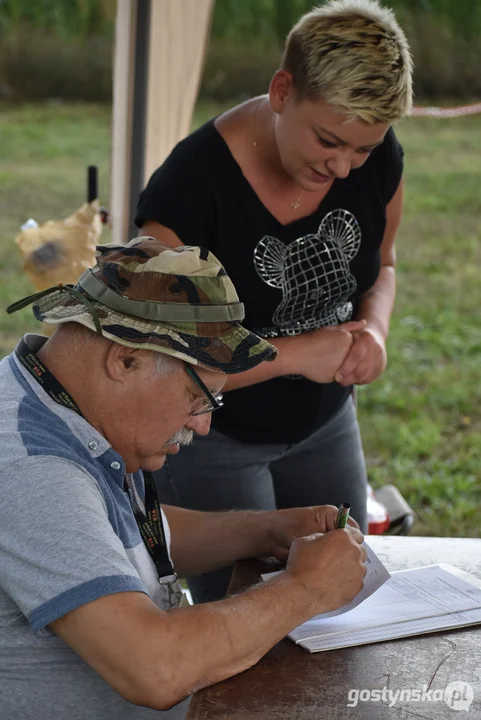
58	549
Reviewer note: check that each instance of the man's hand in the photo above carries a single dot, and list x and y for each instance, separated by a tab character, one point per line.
206	541
285	526
330	568
366	359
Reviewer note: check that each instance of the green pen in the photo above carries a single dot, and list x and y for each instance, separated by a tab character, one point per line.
342	515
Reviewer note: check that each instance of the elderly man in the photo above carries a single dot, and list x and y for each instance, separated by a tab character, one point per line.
91	623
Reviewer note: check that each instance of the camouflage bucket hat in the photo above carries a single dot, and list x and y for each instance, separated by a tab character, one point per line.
146	295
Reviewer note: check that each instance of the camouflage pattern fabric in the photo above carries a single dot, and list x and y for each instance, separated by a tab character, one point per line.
179	301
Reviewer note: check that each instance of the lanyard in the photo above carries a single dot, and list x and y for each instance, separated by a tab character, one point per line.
44	377
151	529
150	525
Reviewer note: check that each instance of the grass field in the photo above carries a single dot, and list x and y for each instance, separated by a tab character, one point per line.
421	422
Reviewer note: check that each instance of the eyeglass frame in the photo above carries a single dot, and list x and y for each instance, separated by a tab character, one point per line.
214	400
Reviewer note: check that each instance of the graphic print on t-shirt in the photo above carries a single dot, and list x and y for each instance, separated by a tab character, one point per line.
313	273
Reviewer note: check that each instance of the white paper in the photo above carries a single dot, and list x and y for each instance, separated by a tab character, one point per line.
376	576
411	602
393	632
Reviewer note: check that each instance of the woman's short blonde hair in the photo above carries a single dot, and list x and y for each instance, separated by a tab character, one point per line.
353	55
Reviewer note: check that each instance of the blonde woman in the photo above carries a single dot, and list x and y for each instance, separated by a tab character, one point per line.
299	193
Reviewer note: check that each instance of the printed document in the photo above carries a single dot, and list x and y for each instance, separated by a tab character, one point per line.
410	602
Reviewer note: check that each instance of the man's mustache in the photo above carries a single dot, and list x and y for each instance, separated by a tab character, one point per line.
183	437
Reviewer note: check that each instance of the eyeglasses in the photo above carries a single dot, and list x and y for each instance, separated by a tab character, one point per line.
211	402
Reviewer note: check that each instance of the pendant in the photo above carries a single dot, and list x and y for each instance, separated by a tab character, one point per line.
295	205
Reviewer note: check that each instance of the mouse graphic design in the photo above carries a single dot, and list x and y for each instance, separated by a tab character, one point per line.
313	273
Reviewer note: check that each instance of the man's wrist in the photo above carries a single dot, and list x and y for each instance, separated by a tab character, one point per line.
300	594
259	531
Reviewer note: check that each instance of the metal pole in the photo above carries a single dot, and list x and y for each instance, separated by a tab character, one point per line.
141	69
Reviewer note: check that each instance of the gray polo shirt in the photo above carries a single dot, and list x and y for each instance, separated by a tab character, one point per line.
67	537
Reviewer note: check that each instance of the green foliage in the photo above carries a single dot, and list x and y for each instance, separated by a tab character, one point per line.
63	48
55	68
65	18
234	20
265	21
462	17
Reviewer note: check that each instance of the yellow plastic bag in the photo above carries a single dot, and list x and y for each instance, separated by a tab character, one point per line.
60	250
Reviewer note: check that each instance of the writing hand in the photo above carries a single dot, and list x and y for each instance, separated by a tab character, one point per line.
285	526
329	567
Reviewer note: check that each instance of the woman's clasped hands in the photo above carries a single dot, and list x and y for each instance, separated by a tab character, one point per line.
352	353
366	359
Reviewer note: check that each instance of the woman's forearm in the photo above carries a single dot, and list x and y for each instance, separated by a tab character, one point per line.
282	365
377	303
315	355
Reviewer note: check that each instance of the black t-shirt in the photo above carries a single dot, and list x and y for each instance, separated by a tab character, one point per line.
292	278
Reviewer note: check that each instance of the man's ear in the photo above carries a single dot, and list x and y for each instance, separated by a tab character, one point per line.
121	361
281	87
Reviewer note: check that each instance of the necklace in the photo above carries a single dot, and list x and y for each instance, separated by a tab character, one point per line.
295	204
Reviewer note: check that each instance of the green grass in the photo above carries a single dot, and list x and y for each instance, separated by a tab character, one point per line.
45	150
421	422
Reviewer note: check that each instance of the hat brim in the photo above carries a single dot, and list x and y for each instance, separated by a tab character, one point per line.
224	347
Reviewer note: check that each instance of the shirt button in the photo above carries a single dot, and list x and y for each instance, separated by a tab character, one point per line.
115	465
93	445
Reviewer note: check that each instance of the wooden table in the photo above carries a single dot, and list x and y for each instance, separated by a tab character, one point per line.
292	684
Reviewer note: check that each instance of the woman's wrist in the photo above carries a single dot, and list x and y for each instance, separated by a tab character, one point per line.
286	361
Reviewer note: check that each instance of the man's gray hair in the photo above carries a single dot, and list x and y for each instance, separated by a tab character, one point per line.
164	364
354	56
79	336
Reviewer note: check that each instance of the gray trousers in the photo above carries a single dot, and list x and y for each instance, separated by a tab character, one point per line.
219	473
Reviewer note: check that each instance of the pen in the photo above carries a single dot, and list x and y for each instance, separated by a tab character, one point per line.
342	515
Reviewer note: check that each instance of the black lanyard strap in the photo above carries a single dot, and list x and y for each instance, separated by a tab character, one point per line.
44	377
150	525
152	531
